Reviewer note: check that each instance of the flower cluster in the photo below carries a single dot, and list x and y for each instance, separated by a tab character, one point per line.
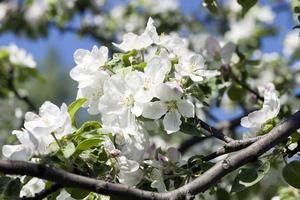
152	79
18	56
40	131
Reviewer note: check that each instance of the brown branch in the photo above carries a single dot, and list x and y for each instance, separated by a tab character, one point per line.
212	131
233	146
200	184
44	193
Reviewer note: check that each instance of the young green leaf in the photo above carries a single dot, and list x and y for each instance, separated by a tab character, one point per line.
87	144
68	150
74	107
249	175
291	173
88	126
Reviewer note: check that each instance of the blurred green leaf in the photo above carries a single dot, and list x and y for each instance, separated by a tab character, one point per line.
77	193
9	188
246	4
211	5
236	92
291	173
249	175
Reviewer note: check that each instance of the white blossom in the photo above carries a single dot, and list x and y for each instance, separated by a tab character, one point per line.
90	75
32	187
64	195
19	56
291	43
154	74
23	151
161	7
132	41
120	95
35	12
3	11
192	66
171	104
270	109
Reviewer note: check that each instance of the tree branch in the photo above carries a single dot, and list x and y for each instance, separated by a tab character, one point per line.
212	131
233	146
201	184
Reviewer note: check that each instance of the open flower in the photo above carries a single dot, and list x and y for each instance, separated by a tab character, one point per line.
154	74
192	65
132	41
120	95
25	150
90	75
32	187
171	104
269	110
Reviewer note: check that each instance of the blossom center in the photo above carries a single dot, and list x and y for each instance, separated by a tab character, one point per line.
171	105
147	83
129	100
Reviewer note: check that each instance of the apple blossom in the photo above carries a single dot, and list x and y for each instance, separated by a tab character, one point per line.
19	56
192	65
90	75
120	95
154	74
132	41
64	195
32	187
25	150
171	104
269	110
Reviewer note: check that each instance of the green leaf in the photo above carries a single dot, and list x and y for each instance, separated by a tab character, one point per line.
74	107
87	144
291	173
9	188
4	54
68	150
236	92
249	175
211	5
246	4
77	193
88	126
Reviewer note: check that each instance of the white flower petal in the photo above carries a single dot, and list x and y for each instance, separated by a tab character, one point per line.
172	121
186	108
154	110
